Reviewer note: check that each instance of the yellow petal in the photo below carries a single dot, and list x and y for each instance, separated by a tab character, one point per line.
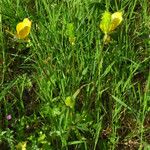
116	19
23	28
24	32
19	27
105	22
27	22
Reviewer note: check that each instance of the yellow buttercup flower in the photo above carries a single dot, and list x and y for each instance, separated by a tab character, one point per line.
23	28
109	23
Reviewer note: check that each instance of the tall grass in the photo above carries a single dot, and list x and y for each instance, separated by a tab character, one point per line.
108	86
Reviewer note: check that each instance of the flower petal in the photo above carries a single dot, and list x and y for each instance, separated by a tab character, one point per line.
105	22
27	22
116	19
24	32
19	27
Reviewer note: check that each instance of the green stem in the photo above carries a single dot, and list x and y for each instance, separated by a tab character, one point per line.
107	4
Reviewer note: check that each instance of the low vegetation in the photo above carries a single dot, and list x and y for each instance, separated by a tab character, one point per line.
69	83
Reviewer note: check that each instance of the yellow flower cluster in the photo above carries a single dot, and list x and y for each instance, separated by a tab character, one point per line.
109	23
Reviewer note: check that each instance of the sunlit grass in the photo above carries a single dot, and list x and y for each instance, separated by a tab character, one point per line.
65	88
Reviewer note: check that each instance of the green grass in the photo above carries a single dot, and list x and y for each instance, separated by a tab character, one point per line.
108	85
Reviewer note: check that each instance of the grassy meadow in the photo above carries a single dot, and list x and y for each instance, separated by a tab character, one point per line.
63	88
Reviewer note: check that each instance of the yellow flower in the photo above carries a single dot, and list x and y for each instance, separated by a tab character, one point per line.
116	19
21	146
110	21
23	28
